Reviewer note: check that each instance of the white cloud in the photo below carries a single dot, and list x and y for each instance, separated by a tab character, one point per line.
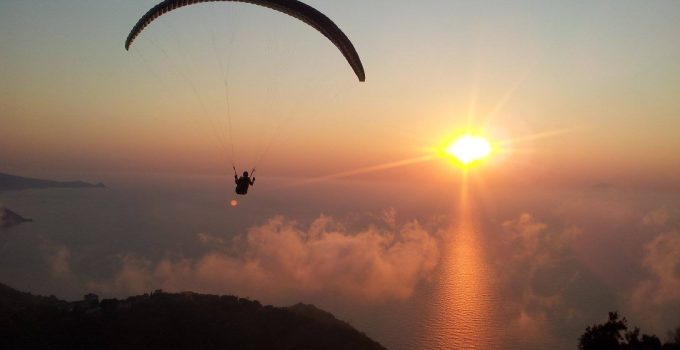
655	299
280	258
59	260
662	260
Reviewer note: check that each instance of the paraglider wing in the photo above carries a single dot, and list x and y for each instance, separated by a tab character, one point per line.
293	8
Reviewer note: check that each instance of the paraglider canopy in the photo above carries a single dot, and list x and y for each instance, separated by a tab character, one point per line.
293	8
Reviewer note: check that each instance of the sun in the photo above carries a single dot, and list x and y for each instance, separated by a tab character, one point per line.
468	149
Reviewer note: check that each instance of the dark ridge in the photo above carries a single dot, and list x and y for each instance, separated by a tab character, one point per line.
162	320
9	218
13	182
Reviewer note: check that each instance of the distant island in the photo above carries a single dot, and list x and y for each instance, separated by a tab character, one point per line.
161	320
9	218
13	182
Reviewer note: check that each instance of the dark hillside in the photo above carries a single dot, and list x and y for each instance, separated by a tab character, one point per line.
168	321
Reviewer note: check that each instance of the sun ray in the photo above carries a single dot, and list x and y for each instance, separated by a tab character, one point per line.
472	107
540	135
508	95
366	170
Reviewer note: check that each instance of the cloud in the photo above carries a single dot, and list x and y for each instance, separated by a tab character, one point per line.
657	217
656	298
587	255
208	239
594	256
662	261
666	217
59	260
280	258
546	290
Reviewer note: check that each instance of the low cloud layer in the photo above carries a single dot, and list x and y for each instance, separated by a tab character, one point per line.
281	258
656	296
662	260
558	274
547	293
561	260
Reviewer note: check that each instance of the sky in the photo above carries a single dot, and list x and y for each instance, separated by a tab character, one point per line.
602	75
575	213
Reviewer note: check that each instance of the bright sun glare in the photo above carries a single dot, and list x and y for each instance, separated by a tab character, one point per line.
468	149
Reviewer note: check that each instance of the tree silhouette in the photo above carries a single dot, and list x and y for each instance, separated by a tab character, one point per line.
614	335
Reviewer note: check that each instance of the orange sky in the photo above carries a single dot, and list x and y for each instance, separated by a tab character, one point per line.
74	101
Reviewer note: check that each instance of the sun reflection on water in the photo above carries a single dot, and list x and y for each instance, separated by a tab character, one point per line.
460	316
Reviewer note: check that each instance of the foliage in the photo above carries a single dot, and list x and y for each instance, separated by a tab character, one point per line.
615	335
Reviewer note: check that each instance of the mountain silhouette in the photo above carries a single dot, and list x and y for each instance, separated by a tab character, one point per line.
13	182
161	320
9	218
